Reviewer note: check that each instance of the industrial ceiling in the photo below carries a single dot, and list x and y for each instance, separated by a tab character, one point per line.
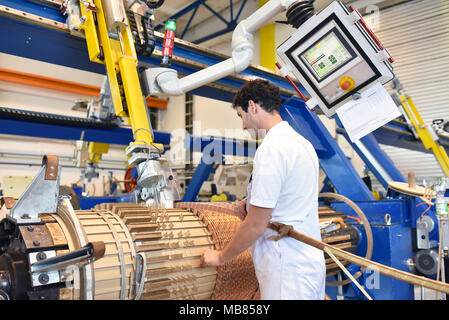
210	22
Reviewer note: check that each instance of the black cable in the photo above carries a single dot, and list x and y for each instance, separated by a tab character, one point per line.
300	12
149	38
25	115
145	36
155	5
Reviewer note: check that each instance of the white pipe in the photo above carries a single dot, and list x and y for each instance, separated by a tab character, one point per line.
204	76
264	14
242	53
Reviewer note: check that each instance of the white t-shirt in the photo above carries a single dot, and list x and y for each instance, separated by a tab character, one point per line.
285	178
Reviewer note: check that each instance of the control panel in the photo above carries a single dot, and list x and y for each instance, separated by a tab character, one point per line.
334	56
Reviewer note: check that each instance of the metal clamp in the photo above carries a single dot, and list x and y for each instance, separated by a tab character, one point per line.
141	269
9	202
94	250
50	163
41	195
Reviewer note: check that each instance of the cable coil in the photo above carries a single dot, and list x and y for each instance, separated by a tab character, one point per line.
300	12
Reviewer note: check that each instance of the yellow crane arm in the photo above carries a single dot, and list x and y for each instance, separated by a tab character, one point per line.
424	133
120	58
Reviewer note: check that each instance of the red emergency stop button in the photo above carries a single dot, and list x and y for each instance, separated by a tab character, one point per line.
347	83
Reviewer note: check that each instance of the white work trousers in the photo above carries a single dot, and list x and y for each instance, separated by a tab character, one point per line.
288	269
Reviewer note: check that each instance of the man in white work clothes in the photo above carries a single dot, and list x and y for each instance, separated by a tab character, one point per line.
283	188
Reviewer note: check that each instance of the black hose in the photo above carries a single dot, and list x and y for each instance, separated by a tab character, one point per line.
300	12
155	5
149	38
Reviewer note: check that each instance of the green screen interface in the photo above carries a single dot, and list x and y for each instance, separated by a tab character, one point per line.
327	55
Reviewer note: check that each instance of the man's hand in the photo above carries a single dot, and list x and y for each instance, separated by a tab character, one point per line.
251	228
211	258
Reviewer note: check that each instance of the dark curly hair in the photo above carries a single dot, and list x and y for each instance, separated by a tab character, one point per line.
262	92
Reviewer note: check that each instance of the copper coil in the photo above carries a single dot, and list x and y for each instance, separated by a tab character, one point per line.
236	279
345	237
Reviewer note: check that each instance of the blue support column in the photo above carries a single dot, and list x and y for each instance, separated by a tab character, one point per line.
206	166
375	158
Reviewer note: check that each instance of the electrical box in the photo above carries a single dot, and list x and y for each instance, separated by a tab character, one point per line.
334	57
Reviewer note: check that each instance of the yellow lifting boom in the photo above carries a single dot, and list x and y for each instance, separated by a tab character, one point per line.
424	133
120	58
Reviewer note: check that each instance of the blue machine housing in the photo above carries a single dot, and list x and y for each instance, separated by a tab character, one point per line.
392	246
393	224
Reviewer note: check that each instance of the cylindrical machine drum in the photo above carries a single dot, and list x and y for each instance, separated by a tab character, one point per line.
165	245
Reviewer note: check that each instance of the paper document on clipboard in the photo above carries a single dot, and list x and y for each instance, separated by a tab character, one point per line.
374	109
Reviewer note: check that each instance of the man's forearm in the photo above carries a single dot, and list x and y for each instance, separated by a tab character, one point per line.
251	228
242	240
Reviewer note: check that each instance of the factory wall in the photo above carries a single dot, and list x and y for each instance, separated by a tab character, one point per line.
22	156
417	35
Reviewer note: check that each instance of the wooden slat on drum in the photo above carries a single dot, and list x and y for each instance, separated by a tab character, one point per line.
114	270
